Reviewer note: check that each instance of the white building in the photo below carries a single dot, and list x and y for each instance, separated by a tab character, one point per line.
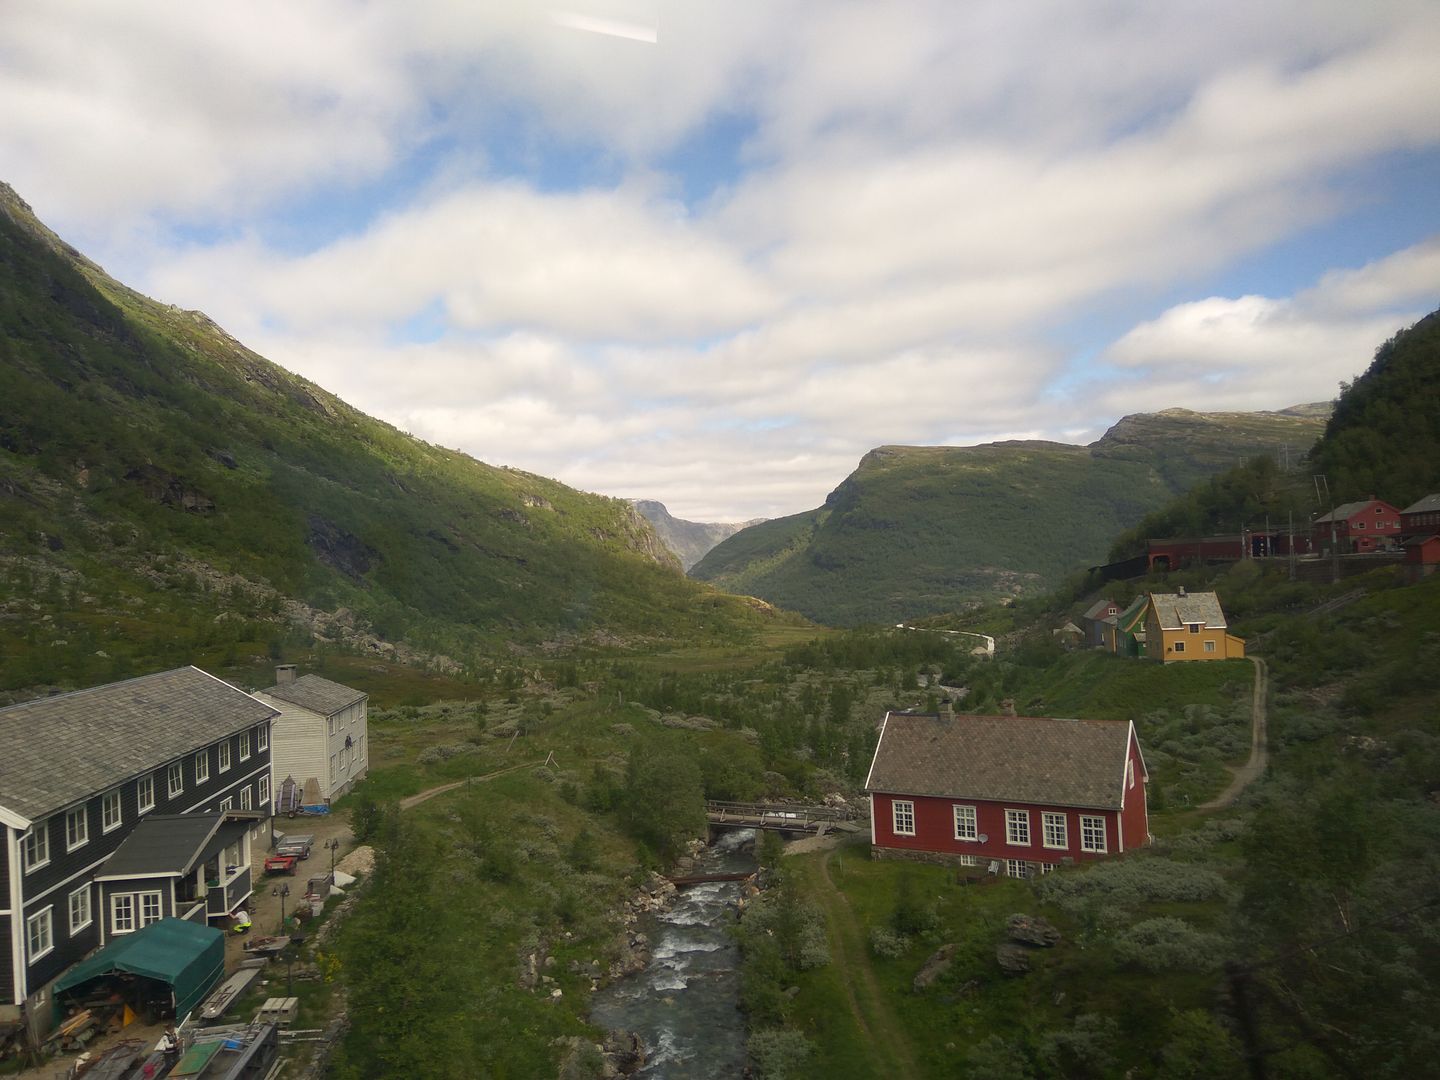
320	739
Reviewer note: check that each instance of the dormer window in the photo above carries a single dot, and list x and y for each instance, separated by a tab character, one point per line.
1193	627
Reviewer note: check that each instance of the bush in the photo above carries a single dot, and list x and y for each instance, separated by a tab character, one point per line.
887	944
1169	944
1130	882
780	1054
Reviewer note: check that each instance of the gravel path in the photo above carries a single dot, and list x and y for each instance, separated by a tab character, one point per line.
1259	749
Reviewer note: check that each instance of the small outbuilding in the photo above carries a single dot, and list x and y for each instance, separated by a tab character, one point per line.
160	971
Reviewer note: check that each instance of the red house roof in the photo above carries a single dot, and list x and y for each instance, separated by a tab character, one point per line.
1025	759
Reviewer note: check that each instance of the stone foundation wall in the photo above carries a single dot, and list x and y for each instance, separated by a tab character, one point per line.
936	858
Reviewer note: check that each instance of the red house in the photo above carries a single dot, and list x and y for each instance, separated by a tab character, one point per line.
1027	792
1358	527
1421	518
1422	557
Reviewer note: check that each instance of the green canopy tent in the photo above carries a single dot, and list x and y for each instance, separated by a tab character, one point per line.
188	957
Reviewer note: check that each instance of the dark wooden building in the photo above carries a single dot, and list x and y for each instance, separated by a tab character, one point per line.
79	773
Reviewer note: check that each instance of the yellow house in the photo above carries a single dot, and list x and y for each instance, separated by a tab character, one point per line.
1183	626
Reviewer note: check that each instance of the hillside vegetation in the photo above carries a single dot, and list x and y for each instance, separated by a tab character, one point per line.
916	531
170	496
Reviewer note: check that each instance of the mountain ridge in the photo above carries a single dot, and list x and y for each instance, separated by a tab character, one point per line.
916	531
688	540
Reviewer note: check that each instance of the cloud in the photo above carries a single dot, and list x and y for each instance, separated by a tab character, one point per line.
535	255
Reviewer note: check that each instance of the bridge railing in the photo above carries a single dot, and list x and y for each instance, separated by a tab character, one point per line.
778	813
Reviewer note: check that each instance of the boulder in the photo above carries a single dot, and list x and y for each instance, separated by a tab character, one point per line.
1032	930
624	1052
939	963
1013	959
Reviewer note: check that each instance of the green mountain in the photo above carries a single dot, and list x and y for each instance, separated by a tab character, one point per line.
169	495
917	531
1382	439
689	540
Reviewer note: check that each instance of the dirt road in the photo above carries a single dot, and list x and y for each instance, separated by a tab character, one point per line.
1259	748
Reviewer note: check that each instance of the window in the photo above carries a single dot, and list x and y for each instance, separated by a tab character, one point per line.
77	828
1209	646
145	793
80	913
227	803
1179	646
1047	868
202	767
122	913
334	766
1017	868
1130	773
110	814
264	790
262	738
245	797
965	824
1193	627
1092	833
969	860
902	813
361	745
39	934
1359	525
1017	826
1055	831
330	724
174	779
225	756
37	846
244	746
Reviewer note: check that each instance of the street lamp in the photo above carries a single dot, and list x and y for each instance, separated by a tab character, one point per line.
282	891
332	845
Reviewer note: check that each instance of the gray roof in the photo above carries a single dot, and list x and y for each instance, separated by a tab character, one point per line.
60	750
1024	759
1347	510
1097	610
1175	610
171	844
1429	504
316	694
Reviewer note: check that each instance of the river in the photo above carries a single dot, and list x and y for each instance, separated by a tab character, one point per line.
685	1004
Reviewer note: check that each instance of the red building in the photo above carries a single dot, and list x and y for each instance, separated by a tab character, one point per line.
1027	792
1421	518
1358	527
1422	557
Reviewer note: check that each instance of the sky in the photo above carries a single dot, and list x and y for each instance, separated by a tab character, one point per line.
711	253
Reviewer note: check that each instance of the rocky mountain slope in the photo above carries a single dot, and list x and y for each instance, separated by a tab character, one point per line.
922	530
689	540
168	494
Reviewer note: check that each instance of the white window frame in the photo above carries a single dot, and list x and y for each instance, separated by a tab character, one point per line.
264	790
152	908
1090	827
361	744
1047	868
40	934
36	845
227	803
225	756
1017	825
330	725
1179	646
119	901
245	745
1017	868
87	913
111	806
1209	646
902	811
967	822
262	737
202	767
77	827
175	779
245	797
969	860
1055	830
145	792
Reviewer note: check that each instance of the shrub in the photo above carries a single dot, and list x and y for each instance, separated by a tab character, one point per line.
1168	944
780	1054
887	944
1131	882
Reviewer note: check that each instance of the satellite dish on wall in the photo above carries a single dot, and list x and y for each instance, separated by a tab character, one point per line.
983	838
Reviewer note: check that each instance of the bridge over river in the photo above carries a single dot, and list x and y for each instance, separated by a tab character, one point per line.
780	817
